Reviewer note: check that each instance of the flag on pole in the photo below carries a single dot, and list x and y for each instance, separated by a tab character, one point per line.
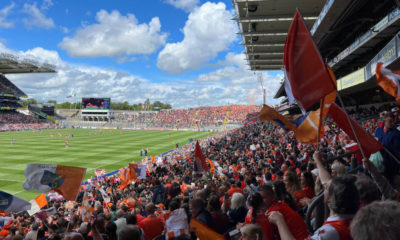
305	127
72	95
11	203
388	80
267	113
199	159
37	203
86	209
65	180
368	143
305	69
125	177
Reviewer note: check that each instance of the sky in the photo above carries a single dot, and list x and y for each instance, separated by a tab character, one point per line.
183	52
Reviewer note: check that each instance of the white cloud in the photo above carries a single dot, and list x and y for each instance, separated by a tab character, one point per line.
235	71
64	30
36	18
208	31
186	5
4	12
88	81
124	59
115	35
46	4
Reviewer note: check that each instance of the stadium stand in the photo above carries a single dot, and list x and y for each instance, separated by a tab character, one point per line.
10	94
201	117
259	163
11	120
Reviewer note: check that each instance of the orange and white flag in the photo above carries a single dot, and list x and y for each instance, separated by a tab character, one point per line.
37	203
388	80
87	209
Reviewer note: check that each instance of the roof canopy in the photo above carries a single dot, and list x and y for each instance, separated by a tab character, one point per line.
264	25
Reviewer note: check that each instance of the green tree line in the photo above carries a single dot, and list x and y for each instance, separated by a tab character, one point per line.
146	106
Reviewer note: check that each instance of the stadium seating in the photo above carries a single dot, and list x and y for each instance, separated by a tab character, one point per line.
15	121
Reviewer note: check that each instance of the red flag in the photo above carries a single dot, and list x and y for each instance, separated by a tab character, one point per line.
309	79
199	159
369	143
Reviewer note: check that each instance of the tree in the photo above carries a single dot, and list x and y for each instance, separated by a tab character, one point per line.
28	101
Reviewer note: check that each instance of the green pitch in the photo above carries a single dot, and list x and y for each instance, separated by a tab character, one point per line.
108	149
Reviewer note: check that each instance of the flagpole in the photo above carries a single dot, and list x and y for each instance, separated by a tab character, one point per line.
351	125
321	119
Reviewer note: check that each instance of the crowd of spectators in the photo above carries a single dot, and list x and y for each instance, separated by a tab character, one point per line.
15	121
262	185
203	116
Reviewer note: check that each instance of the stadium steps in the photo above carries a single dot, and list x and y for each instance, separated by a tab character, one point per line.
195	117
42	114
226	120
75	114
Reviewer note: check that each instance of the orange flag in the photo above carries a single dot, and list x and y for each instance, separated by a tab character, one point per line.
388	80
124	175
37	203
203	232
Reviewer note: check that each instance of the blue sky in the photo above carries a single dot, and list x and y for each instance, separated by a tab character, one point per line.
183	52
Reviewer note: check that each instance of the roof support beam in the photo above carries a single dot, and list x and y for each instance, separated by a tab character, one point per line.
287	18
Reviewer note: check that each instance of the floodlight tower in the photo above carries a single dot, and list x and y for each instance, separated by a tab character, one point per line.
264	91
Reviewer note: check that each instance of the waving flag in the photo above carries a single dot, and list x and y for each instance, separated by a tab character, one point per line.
368	143
10	203
267	113
305	127
72	95
86	209
308	76
203	232
388	80
65	180
199	159
37	203
125	176
137	171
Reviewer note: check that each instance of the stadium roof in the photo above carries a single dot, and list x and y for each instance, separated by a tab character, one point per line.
10	63
350	33
264	25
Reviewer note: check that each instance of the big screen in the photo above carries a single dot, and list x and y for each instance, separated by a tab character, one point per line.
96	103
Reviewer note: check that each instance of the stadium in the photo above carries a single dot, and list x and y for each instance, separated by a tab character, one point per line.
321	163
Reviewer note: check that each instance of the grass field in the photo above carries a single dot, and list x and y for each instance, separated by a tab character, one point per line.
107	149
